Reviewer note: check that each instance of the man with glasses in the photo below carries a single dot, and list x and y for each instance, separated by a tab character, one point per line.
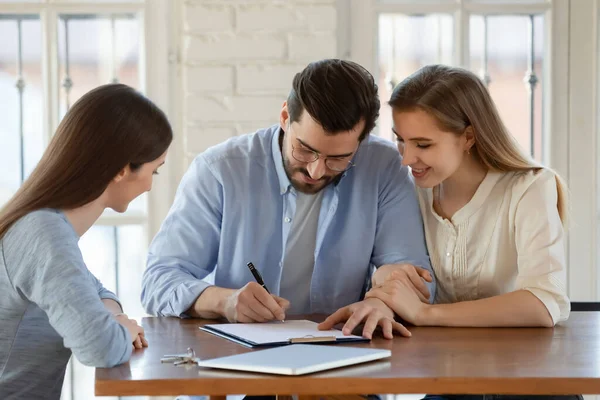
313	203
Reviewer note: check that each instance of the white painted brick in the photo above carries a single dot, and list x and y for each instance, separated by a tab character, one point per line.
200	138
240	57
250	127
244	2
332	2
264	77
220	47
207	18
312	46
233	108
286	17
208	79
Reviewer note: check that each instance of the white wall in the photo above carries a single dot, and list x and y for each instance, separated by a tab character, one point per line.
238	61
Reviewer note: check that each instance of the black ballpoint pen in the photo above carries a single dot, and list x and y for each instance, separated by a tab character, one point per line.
257	276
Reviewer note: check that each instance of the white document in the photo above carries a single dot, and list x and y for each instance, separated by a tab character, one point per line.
297	359
274	333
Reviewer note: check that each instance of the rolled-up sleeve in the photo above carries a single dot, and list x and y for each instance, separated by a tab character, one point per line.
540	240
184	251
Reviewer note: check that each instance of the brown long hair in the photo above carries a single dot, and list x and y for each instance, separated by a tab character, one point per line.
456	98
107	129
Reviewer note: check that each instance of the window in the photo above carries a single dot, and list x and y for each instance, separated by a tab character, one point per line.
504	46
52	53
541	57
407	43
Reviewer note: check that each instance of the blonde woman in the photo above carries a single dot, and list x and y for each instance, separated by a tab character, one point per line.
494	219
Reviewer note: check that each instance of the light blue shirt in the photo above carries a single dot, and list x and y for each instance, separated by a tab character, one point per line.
235	204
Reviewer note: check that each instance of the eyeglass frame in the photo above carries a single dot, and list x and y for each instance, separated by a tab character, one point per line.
317	156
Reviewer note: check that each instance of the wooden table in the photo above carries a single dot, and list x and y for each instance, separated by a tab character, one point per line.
563	360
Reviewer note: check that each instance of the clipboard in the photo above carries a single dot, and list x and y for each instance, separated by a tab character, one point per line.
278	333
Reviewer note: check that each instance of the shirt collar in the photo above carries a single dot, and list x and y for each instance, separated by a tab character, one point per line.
284	182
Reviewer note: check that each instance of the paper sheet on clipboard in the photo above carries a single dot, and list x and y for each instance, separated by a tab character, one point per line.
279	333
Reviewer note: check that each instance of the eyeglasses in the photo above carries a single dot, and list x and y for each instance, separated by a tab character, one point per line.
309	156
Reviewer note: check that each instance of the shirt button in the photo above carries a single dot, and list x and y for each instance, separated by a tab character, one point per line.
447	254
287	219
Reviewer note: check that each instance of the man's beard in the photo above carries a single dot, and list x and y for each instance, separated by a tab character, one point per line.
304	187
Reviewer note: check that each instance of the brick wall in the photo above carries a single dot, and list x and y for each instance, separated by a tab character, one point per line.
239	58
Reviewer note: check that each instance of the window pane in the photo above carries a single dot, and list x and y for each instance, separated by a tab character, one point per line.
32	107
132	263
507	53
98	49
116	256
407	43
99	251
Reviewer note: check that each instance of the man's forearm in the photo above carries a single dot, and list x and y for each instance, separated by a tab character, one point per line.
211	303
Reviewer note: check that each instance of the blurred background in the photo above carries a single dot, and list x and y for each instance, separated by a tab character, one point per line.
221	68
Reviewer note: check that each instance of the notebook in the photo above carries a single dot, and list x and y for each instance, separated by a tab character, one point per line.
297	359
279	333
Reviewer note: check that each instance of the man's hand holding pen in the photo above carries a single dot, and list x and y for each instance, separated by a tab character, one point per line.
253	303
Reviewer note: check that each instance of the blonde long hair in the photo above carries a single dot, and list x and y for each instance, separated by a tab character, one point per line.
457	99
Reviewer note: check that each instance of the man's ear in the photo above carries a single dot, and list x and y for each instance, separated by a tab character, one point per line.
284	116
122	174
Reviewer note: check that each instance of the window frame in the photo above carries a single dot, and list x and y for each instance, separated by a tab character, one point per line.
158	54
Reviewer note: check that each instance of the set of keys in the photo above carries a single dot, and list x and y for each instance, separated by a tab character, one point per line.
181	359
